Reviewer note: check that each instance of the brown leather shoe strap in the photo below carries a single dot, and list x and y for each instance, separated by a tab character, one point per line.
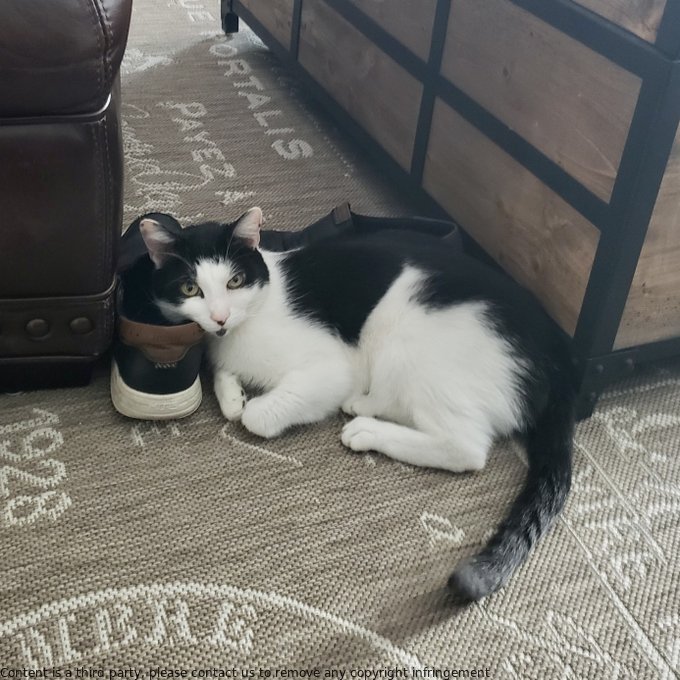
161	344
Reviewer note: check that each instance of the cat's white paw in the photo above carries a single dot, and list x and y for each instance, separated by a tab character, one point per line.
360	434
359	405
230	396
259	419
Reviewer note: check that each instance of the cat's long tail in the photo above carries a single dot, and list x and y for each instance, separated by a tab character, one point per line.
549	449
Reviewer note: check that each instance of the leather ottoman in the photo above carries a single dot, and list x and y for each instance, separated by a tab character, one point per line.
61	167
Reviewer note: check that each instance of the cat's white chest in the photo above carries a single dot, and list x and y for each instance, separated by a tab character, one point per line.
270	346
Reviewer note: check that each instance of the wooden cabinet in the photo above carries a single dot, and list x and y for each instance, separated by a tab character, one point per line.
641	17
526	227
276	17
407	21
547	128
571	103
652	309
367	83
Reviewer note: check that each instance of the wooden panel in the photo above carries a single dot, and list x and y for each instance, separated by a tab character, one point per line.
275	15
368	84
409	22
641	17
540	240
652	311
568	101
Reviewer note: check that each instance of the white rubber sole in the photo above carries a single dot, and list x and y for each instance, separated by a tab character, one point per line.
143	406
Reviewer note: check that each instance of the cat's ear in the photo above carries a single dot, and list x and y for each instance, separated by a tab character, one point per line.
248	227
159	241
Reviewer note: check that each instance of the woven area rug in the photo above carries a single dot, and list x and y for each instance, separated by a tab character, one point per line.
192	547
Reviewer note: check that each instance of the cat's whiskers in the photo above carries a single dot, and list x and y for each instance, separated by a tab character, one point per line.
231	238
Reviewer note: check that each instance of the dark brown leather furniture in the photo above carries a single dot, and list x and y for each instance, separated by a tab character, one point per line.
61	169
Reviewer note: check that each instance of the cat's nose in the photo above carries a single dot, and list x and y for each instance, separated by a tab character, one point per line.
220	319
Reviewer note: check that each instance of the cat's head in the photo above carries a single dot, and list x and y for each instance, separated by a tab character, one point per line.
209	273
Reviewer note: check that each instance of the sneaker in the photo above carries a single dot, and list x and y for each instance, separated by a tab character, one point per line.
155	366
155	370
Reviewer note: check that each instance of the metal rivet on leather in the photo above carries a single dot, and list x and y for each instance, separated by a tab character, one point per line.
37	328
81	325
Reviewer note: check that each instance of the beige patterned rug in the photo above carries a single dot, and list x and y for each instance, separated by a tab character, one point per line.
191	546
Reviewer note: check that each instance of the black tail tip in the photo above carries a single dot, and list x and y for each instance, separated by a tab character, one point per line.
472	580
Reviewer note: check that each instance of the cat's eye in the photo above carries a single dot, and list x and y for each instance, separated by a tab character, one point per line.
190	289
236	281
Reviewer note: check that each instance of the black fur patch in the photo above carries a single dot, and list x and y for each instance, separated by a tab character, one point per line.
339	281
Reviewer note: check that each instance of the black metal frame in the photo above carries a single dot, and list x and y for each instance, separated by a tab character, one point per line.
429	96
295	29
622	222
668	36
640	173
228	17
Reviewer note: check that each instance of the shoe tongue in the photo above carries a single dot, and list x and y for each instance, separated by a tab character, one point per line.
136	333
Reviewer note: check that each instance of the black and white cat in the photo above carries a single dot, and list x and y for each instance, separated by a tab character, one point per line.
433	353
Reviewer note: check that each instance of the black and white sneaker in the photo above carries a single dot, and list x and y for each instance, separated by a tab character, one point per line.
155	370
155	367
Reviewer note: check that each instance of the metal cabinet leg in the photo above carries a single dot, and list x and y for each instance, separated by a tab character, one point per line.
229	17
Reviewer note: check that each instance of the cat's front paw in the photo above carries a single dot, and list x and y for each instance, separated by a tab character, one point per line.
230	396
258	417
360	434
